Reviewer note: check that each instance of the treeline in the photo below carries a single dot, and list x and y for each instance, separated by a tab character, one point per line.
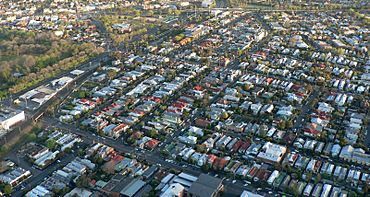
85	52
35	57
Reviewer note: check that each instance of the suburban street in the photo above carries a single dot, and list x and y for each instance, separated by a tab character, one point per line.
178	98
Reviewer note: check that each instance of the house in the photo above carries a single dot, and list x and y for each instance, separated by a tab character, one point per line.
196	130
39	191
151	144
272	177
335	150
188	139
307	190
272	153
175	189
203	123
132	188
249	194
15	176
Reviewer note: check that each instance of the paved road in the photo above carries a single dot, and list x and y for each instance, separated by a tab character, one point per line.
232	189
368	136
37	178
65	92
153	157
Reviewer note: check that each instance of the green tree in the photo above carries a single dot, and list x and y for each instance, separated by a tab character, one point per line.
318	178
83	181
289	124
282	125
8	189
225	115
51	144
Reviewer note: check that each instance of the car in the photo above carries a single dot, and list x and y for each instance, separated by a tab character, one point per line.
234	181
259	189
248	182
245	185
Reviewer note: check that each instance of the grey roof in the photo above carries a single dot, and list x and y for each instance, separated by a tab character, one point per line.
132	188
148	173
205	186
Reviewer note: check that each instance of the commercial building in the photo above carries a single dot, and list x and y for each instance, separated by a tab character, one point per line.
9	118
205	186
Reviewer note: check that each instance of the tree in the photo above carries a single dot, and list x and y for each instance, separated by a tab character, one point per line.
282	125
308	176
352	193
111	74
83	181
225	115
117	55
246	87
318	178
309	88
343	142
51	143
8	189
200	148
289	124
5	71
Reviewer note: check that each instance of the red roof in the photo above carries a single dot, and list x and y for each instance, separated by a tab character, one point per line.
294	157
117	158
263	174
269	80
152	143
245	145
211	158
311	131
120	127
83	100
222	163
202	122
295	87
237	145
198	87
157	100
253	171
106	109
179	105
